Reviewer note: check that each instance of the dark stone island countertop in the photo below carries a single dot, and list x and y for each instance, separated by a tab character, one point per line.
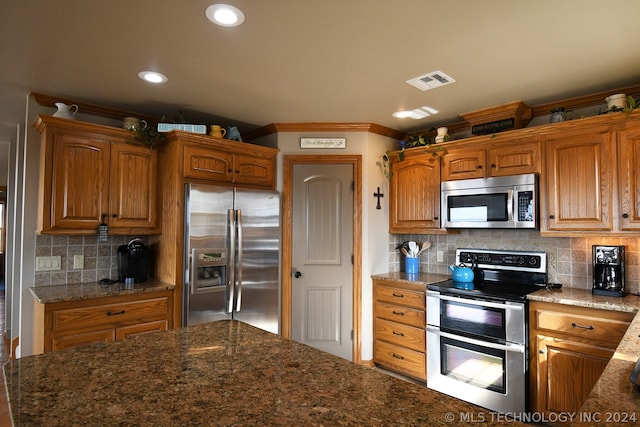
221	373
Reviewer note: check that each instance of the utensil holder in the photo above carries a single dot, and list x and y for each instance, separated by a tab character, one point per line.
411	265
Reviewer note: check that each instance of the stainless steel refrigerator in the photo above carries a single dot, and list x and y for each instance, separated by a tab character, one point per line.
232	256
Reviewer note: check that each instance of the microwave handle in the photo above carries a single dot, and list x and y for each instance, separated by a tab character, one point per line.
511	207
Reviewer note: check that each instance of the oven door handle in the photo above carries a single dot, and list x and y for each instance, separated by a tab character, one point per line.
518	348
517	307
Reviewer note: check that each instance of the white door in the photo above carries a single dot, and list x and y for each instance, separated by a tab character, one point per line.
322	248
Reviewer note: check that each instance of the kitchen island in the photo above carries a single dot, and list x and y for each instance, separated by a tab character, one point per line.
219	373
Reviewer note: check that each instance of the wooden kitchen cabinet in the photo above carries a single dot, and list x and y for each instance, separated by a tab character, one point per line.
414	205
517	155
227	164
628	140
71	323
569	347
399	327
579	181
88	171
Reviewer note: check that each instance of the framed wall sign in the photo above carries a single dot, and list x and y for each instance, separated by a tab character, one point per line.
323	142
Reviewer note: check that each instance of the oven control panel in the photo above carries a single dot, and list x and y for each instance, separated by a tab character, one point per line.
498	259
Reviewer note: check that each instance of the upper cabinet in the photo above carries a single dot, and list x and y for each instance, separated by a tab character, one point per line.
628	140
579	180
415	193
90	171
228	162
520	155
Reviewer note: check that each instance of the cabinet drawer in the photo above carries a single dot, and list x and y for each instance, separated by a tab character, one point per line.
401	296
112	315
401	359
610	326
399	334
395	313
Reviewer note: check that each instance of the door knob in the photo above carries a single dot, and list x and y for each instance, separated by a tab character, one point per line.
296	274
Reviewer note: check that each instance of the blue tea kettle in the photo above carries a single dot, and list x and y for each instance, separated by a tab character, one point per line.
461	273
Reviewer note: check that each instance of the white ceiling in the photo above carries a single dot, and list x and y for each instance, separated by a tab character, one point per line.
313	61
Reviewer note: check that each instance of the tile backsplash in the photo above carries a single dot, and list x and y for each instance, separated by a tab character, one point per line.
100	258
569	258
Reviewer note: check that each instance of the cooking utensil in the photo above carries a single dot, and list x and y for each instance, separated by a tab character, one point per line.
426	245
413	249
404	251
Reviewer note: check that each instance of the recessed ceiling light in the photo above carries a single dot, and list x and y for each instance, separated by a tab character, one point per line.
152	77
416	113
225	15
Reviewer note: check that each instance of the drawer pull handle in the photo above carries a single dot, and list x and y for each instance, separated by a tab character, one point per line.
114	313
397	356
398	295
398	333
575	325
399	313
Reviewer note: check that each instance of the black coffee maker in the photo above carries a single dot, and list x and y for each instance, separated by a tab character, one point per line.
608	270
134	260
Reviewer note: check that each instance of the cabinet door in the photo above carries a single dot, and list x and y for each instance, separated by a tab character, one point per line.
579	181
80	184
514	157
629	159
208	164
141	328
415	195
133	188
254	170
567	372
74	340
464	163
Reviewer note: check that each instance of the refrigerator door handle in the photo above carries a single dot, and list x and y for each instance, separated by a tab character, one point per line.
231	223
239	261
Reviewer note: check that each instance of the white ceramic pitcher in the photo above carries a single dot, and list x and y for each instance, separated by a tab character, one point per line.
66	111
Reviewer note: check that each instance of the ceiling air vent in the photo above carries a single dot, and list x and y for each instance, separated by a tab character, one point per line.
430	80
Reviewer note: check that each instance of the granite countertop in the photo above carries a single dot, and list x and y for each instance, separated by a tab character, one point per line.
420	278
614	400
82	291
219	373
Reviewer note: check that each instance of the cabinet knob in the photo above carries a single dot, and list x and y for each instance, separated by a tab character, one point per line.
435	217
493	165
625	215
479	166
552	216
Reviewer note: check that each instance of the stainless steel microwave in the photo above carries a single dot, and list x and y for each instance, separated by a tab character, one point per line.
501	202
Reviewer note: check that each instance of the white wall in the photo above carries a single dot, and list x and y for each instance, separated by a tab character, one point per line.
375	238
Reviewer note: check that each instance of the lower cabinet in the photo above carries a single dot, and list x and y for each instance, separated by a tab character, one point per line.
399	327
68	324
569	349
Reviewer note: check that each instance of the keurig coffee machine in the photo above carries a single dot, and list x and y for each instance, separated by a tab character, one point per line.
134	260
608	270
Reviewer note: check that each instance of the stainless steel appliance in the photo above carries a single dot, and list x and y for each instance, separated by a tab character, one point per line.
501	202
232	256
608	270
477	333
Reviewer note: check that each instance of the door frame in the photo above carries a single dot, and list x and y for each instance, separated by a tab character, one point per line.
289	161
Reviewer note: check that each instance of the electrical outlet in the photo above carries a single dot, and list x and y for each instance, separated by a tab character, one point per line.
440	256
78	262
47	263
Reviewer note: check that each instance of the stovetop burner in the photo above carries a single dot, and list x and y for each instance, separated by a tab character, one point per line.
504	275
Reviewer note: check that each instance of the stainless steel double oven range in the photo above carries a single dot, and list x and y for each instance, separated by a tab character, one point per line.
477	333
